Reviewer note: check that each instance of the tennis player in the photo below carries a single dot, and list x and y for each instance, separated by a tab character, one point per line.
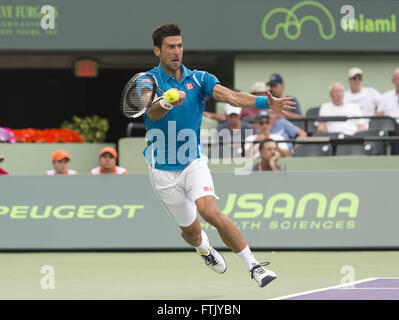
178	169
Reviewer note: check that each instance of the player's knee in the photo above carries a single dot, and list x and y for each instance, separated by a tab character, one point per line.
191	233
212	216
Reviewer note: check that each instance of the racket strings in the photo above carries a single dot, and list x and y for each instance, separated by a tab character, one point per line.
139	94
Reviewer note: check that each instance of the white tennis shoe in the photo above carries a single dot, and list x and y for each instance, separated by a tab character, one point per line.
214	260
261	275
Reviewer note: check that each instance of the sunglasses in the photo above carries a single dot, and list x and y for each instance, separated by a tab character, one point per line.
263	122
357	78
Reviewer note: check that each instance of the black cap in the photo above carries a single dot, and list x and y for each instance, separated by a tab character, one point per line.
274	79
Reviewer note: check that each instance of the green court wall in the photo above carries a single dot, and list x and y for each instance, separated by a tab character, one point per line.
35	158
131	158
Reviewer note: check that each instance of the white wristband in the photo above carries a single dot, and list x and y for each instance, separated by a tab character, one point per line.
165	104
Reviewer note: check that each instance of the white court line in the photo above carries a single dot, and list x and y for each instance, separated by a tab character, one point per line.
324	289
369	288
341	286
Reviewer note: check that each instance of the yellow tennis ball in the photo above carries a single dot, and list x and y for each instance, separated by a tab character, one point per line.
172	95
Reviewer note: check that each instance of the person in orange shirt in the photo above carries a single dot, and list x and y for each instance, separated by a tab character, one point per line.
108	158
61	161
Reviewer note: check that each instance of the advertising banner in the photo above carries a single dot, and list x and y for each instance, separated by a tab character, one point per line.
336	209
223	25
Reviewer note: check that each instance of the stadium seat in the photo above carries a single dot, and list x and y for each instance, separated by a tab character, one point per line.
364	149
388	125
313	150
380	147
135	129
312	125
334	135
383	123
298	122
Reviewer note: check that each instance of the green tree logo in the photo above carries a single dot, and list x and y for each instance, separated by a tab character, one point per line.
293	23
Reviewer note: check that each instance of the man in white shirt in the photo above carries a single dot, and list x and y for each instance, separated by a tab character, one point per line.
338	108
366	98
389	105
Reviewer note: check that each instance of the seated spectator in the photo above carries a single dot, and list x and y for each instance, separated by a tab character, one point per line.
389	105
232	132
263	126
366	98
338	108
285	128
60	162
269	156
108	158
277	87
2	171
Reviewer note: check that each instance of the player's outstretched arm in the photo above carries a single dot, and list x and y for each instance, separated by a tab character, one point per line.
246	100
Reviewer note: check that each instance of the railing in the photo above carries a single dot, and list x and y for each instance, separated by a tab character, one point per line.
307	120
333	141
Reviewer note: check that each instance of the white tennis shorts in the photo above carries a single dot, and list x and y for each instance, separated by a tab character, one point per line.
178	190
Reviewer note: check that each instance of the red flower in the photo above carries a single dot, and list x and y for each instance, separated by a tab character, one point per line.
46	135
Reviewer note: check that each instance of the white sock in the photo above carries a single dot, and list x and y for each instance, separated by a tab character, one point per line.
247	257
204	246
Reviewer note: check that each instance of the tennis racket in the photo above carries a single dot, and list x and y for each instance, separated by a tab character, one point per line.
139	94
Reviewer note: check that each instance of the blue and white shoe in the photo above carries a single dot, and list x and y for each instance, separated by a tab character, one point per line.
214	260
261	275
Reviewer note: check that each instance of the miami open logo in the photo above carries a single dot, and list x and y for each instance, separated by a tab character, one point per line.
290	21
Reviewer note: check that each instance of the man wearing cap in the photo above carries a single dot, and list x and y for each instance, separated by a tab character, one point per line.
233	130
2	171
366	98
60	162
108	158
389	105
277	86
263	126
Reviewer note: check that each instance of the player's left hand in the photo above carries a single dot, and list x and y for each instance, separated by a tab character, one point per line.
280	104
182	96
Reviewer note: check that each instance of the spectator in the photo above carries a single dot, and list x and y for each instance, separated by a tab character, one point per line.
389	105
108	158
263	126
60	162
269	156
285	128
2	171
338	108
366	98
232	132
277	86
247	114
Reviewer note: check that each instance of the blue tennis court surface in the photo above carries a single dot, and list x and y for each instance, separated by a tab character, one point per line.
367	289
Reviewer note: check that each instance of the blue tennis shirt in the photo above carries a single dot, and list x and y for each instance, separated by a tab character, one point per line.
174	140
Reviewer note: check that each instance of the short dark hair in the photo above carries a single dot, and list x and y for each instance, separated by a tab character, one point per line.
163	31
262	143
